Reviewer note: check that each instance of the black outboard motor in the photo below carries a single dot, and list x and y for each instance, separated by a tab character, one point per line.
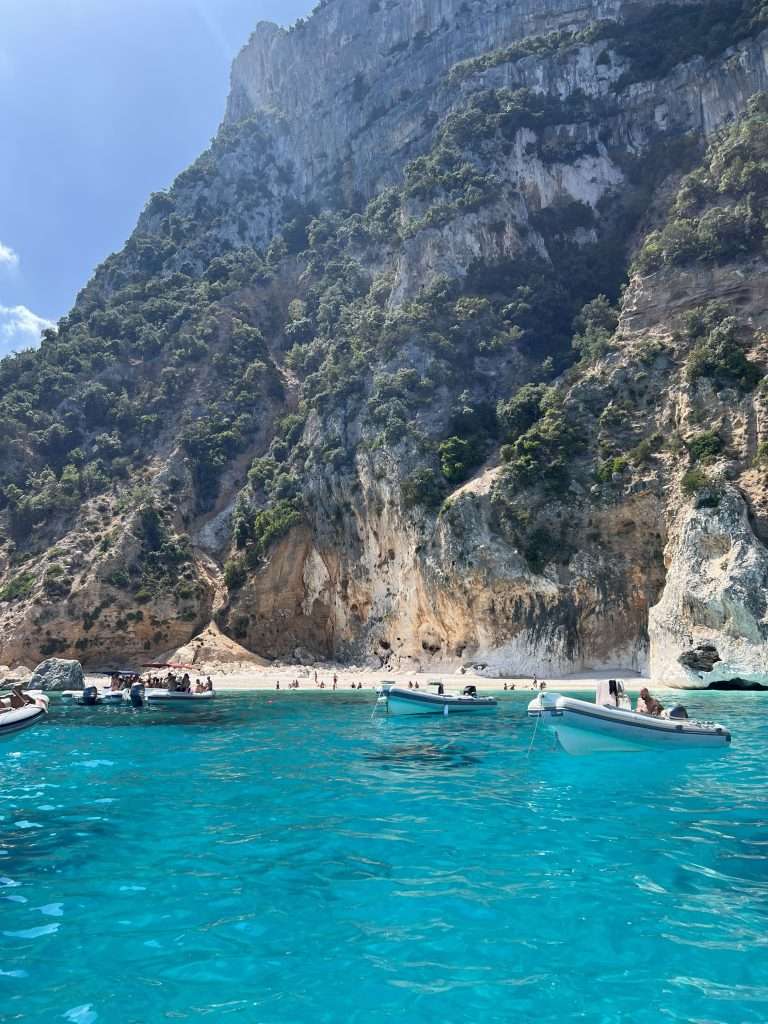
470	691
678	711
90	697
137	695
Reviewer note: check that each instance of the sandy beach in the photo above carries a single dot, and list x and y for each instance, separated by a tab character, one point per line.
232	668
309	680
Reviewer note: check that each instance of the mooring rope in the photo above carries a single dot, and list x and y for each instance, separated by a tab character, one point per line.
533	738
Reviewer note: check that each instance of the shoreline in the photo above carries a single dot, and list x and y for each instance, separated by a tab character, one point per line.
263	680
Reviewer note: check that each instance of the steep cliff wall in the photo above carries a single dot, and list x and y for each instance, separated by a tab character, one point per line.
357	81
364	383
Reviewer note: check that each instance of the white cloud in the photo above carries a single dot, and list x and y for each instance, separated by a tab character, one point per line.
20	328
8	257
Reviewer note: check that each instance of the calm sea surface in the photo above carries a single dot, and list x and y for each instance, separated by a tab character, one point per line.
285	859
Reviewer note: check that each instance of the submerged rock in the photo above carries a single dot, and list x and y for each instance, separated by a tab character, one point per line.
57	674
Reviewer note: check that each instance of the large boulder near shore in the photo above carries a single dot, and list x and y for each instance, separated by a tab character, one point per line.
57	674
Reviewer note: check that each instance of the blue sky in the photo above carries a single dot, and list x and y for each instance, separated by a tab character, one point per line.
101	103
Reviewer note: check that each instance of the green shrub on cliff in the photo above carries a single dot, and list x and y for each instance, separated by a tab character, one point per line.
543	455
704	447
422	487
610	468
534	46
693	481
457	457
720	212
519	413
594	327
18	587
718	353
255	531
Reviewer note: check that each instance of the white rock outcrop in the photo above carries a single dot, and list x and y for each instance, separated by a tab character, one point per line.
711	624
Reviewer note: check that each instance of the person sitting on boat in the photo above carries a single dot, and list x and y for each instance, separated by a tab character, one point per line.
208	684
648	705
17	699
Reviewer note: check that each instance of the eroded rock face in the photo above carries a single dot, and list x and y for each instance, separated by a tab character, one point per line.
57	674
405	597
711	624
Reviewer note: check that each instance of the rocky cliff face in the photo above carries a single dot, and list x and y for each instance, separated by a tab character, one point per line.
365	385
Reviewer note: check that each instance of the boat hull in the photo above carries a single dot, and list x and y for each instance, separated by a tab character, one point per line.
19	719
113	697
178	699
584	728
414	702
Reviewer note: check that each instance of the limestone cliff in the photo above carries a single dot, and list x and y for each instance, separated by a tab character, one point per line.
366	382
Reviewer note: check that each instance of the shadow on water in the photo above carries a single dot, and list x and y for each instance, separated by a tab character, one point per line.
51	838
404	757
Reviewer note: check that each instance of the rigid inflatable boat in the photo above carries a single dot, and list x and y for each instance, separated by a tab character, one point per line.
610	724
13	720
91	696
399	700
177	698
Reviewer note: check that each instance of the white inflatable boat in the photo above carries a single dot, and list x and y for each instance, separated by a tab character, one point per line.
610	724
14	720
91	696
399	700
177	698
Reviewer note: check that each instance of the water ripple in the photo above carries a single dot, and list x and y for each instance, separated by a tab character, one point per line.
286	860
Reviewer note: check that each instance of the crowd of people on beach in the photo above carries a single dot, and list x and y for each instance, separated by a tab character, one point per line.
320	684
170	682
334	684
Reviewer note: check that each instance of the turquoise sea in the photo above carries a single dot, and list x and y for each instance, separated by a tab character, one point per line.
283	858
